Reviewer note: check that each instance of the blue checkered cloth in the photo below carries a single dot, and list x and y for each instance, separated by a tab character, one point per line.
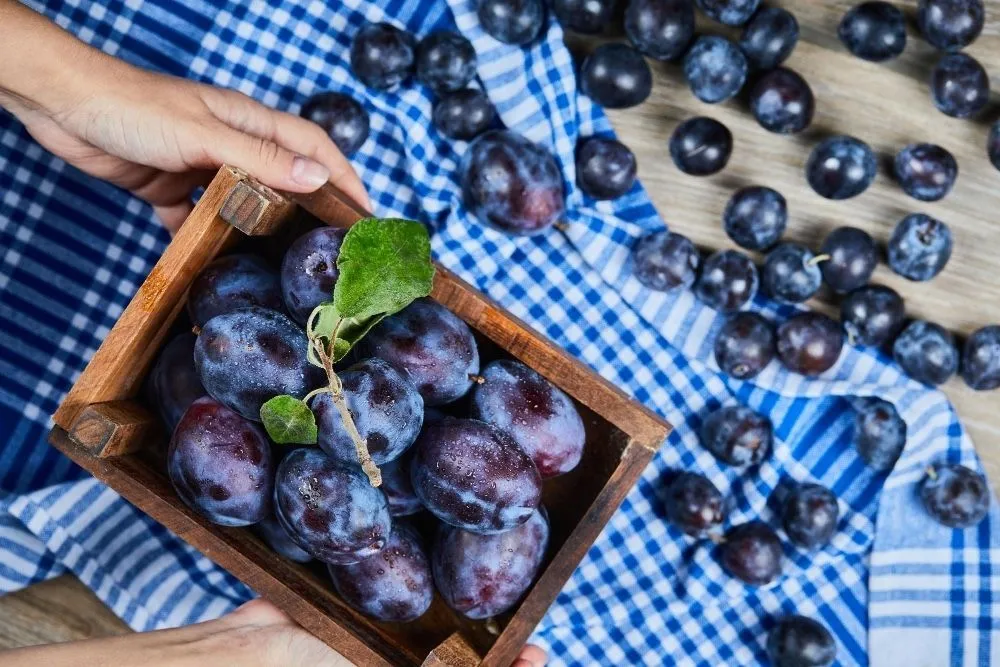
894	587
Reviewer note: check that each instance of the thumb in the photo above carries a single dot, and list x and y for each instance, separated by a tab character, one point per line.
269	163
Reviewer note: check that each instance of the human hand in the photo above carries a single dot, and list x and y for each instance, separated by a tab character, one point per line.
257	634
155	135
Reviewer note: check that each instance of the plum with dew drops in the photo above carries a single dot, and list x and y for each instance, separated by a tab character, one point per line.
386	408
430	346
249	356
330	509
539	416
472	475
394	585
230	283
481	576
220	464
309	271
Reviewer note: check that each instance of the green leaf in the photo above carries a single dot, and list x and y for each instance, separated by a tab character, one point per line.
288	420
350	332
384	265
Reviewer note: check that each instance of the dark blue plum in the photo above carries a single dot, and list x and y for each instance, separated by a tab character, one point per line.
230	283
431	347
329	509
925	171
605	168
395	585
872	315
589	17
665	261
955	496
926	352
950	25
701	146
755	217
769	38
539	416
745	345
960	87
993	144
981	359
511	183
220	465
879	432
851	258
694	505
810	516
791	273
517	22
841	167
397	486
728	281
278	539
341	117
174	382
463	114
660	29
810	343
751	552
249	356
387	411
782	102
737	435
446	62
729	12
874	31
920	247
799	641
480	576
472	475
382	55
715	69
616	76
309	271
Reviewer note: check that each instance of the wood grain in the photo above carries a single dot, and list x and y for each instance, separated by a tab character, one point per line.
58	610
114	428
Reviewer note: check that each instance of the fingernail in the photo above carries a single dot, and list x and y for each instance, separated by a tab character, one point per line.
309	174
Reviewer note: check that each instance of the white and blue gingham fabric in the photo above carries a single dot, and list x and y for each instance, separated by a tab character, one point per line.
894	587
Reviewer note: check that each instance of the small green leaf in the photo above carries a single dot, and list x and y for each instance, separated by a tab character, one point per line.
326	321
289	421
384	265
350	332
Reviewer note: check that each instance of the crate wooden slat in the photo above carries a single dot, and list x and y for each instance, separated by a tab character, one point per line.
103	426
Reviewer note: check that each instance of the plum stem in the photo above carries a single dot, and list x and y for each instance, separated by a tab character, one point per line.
478	379
932	473
196	330
818	258
336	390
715	538
561	225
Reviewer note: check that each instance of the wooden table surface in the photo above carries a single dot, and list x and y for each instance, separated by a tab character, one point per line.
886	105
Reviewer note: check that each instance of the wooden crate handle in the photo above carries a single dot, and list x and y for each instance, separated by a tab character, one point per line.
113	428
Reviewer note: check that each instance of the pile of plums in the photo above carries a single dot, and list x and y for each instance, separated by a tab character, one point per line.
467	447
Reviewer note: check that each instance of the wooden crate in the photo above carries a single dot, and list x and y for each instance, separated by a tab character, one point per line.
106	428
